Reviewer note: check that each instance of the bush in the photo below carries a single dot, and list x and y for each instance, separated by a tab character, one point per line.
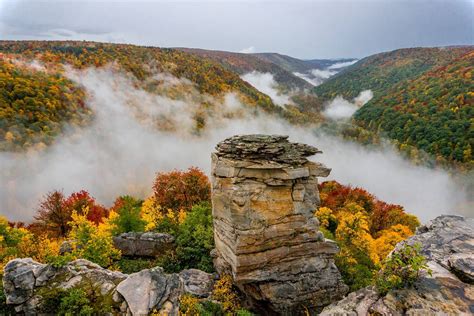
75	302
71	302
194	241
130	266
401	269
129	215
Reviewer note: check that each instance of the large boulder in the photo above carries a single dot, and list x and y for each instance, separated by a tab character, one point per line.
448	244
148	244
28	284
264	194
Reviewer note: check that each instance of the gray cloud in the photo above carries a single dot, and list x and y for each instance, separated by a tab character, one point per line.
305	29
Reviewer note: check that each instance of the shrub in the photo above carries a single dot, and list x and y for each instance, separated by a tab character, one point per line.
91	242
75	302
129	217
225	294
194	240
401	269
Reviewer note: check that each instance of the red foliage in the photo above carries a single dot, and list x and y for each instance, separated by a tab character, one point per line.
53	215
181	189
54	212
79	200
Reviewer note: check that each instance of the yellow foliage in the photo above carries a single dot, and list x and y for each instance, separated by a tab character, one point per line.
389	238
151	213
325	214
188	305
353	230
224	293
181	216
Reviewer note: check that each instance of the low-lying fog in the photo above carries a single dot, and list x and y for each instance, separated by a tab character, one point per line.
120	154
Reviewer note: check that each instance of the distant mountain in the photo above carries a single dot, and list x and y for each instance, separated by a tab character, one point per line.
382	71
299	65
245	63
289	72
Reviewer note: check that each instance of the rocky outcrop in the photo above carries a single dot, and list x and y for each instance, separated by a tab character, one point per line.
448	244
28	284
264	194
149	244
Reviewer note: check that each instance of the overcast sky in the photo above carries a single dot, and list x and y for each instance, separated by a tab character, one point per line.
304	29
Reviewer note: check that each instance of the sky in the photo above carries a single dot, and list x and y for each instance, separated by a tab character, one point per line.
299	28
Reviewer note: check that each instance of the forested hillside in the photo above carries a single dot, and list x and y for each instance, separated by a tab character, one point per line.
36	99
423	100
34	105
433	112
380	72
245	63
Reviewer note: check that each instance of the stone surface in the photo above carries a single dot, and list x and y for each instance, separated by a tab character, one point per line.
26	282
197	282
448	244
264	194
147	244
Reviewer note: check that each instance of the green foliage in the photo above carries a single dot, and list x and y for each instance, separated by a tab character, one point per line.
380	72
75	302
401	269
130	266
71	302
129	216
194	241
433	113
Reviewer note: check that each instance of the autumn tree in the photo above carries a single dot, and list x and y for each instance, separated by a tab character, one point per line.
53	215
181	189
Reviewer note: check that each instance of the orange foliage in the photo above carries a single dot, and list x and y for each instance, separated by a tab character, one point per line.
181	189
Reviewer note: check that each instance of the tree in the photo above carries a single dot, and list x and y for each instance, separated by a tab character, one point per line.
128	219
54	215
181	189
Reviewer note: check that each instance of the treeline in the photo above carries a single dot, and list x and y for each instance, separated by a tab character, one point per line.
179	205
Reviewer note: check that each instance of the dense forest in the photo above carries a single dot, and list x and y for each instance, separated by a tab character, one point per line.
433	112
422	101
382	71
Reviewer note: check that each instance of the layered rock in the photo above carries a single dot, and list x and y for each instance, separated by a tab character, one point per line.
264	194
149	244
27	284
448	244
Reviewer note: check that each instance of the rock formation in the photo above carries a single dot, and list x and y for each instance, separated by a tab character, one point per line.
264	194
149	244
448	244
27	284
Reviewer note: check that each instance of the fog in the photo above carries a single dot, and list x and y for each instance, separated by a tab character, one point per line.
318	76
122	150
267	84
341	109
